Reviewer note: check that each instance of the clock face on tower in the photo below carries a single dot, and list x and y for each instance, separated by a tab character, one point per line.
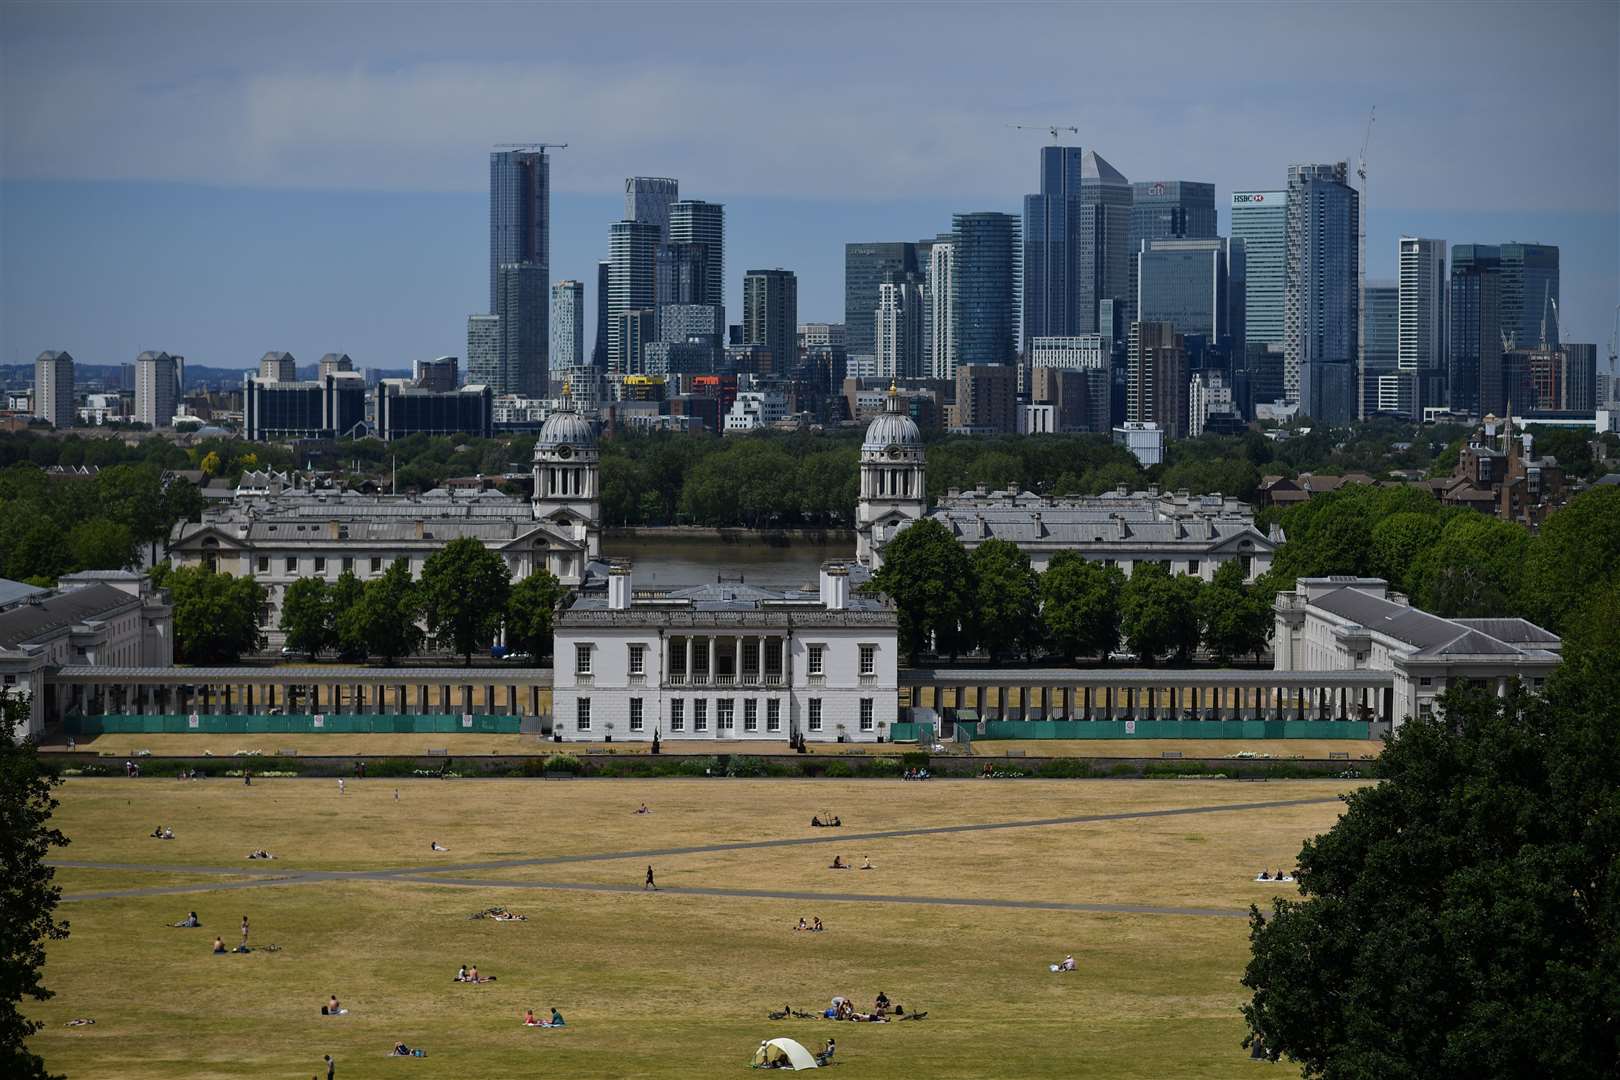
565	452
892	451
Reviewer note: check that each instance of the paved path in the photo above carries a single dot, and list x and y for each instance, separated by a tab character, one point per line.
445	874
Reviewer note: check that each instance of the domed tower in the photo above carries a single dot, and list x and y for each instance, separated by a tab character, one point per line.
567	477
893	480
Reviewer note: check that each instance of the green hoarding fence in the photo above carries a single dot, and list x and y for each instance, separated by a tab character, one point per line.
1175	729
331	723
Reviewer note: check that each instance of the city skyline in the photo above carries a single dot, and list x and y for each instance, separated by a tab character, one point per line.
375	261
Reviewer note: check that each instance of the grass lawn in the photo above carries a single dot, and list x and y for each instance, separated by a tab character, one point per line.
662	984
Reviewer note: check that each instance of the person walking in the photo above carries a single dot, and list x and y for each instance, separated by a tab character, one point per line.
331	1066
244	931
340	785
650	884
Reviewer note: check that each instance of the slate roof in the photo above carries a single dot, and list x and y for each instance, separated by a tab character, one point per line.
31	621
12	592
1430	635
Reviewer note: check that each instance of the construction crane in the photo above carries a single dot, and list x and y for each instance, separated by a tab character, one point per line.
1052	128
1361	273
540	146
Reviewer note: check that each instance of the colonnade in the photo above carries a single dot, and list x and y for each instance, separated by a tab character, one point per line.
726	660
1074	697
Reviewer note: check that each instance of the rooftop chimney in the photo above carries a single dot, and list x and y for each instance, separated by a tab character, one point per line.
619	588
834	586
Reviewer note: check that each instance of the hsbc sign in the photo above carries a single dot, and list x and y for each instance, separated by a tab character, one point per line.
1259	198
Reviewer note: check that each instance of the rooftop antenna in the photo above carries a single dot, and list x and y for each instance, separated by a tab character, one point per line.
540	146
1361	274
1052	128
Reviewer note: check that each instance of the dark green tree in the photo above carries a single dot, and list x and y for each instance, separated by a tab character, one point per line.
1576	547
38	549
306	616
1080	605
529	613
1159	613
216	616
930	579
1235	618
28	899
1397	542
1473	569
1006	599
384	621
342	595
1473	893
464	589
100	544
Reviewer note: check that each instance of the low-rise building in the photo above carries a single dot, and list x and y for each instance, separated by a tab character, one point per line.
731	662
1350	623
97	618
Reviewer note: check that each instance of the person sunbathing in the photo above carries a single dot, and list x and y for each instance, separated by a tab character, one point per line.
434	845
643	809
815	822
802	924
219	945
472	975
529	1020
838	863
189	921
866	863
1265	875
332	1004
401	1050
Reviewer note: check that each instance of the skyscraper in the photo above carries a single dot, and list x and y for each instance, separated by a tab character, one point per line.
1529	292
1260	220
941	314
278	367
985	287
1321	301
519	211
1156	378
693	221
157	383
771	315
599	351
1105	240
567	324
648	199
522	304
899	325
1423	335
1476	330
53	388
1168	210
865	268
1051	294
483	350
632	254
1184	283
1383	328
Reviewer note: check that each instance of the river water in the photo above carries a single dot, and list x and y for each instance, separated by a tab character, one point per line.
680	563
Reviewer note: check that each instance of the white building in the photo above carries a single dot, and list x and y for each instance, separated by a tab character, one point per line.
898	329
157	388
53	388
103	408
755	409
727	662
894	485
1080	351
1207	395
98	618
1037	419
1424	291
1144	439
567	324
278	539
1349	623
942	355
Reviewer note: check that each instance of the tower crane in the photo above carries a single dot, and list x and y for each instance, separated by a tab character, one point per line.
1052	128
1361	274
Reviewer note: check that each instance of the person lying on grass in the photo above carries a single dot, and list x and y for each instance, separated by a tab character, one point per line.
190	921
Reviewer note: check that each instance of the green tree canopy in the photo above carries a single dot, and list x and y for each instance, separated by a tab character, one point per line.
216	616
1473	893
1080	605
344	594
1159	613
1473	569
1576	548
306	616
464	590
28	899
1235	618
1006	598
530	611
384	621
1397	542
930	579
100	544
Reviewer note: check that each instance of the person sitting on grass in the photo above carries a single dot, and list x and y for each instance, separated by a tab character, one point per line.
1265	875
816	926
802	924
837	822
866	863
332	1005
189	921
472	975
157	833
881	1005
219	945
529	1020
556	1019
838	863
825	1057
401	1050
643	809
1068	963
815	821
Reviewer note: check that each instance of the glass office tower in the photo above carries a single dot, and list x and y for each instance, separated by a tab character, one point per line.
1321	301
1051	294
1105	242
1260	220
985	287
519	211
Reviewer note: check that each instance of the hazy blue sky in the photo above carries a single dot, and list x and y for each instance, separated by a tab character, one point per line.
223	179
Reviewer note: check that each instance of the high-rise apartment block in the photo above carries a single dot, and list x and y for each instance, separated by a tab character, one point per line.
53	388
867	266
1321	305
1475	362
333	363
1105	241
278	367
985	287
899	325
633	330
1383	388
599	351
519	212
567	324
771	315
940	317
523	306
483	350
632	255
1156	378
157	386
648	199
1051	295
986	399
1260	221
1529	293
693	221
1423	332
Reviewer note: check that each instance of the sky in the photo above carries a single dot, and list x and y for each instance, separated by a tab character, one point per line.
220	180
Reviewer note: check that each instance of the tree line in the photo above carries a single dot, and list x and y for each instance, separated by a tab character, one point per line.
463	599
952	602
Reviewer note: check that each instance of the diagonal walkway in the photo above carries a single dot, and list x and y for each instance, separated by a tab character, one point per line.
443	874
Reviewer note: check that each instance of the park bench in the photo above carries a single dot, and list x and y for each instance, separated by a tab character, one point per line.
285	752
1176	754
1253	779
439	752
1338	755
